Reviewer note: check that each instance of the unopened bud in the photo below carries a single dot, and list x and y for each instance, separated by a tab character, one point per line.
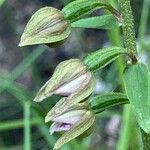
46	26
70	79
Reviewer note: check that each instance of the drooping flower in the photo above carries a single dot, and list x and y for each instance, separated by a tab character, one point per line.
71	114
70	79
75	121
47	26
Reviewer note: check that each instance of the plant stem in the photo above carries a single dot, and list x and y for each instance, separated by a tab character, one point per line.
142	27
10	125
143	24
142	30
123	143
130	44
144	18
124	136
127	120
128	29
146	140
24	65
27	129
2	2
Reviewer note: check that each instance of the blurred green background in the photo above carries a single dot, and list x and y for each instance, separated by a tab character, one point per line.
24	70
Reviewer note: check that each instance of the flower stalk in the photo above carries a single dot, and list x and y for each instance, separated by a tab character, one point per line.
128	29
130	44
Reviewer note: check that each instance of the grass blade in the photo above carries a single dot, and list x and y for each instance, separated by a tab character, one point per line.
26	63
27	130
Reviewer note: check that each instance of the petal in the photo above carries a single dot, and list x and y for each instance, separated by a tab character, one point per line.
56	112
71	116
47	25
66	72
85	90
72	86
58	127
85	123
81	94
41	94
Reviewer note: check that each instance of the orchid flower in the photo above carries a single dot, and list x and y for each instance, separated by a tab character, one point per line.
46	26
70	79
75	121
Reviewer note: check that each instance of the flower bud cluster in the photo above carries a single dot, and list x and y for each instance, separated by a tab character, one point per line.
72	114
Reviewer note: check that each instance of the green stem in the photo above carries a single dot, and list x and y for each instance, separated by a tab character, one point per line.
142	30
27	130
146	140
144	18
124	135
130	44
24	65
123	141
128	29
10	125
15	147
2	2
143	24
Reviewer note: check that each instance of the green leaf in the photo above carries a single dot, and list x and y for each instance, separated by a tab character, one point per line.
79	8
137	85
99	22
2	2
102	57
46	26
106	100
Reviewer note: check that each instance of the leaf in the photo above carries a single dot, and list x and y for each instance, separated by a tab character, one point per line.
2	2
99	22
103	57
106	100
137	85
46	26
79	8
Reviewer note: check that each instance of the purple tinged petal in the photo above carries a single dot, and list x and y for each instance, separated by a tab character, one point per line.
72	86
70	77
58	127
77	129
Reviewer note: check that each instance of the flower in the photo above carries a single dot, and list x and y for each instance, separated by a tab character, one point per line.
71	114
75	121
70	79
47	26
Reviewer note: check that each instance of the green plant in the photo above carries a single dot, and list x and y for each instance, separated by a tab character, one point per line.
54	30
2	2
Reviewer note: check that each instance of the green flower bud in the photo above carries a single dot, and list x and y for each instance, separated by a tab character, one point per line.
75	121
46	26
70	79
